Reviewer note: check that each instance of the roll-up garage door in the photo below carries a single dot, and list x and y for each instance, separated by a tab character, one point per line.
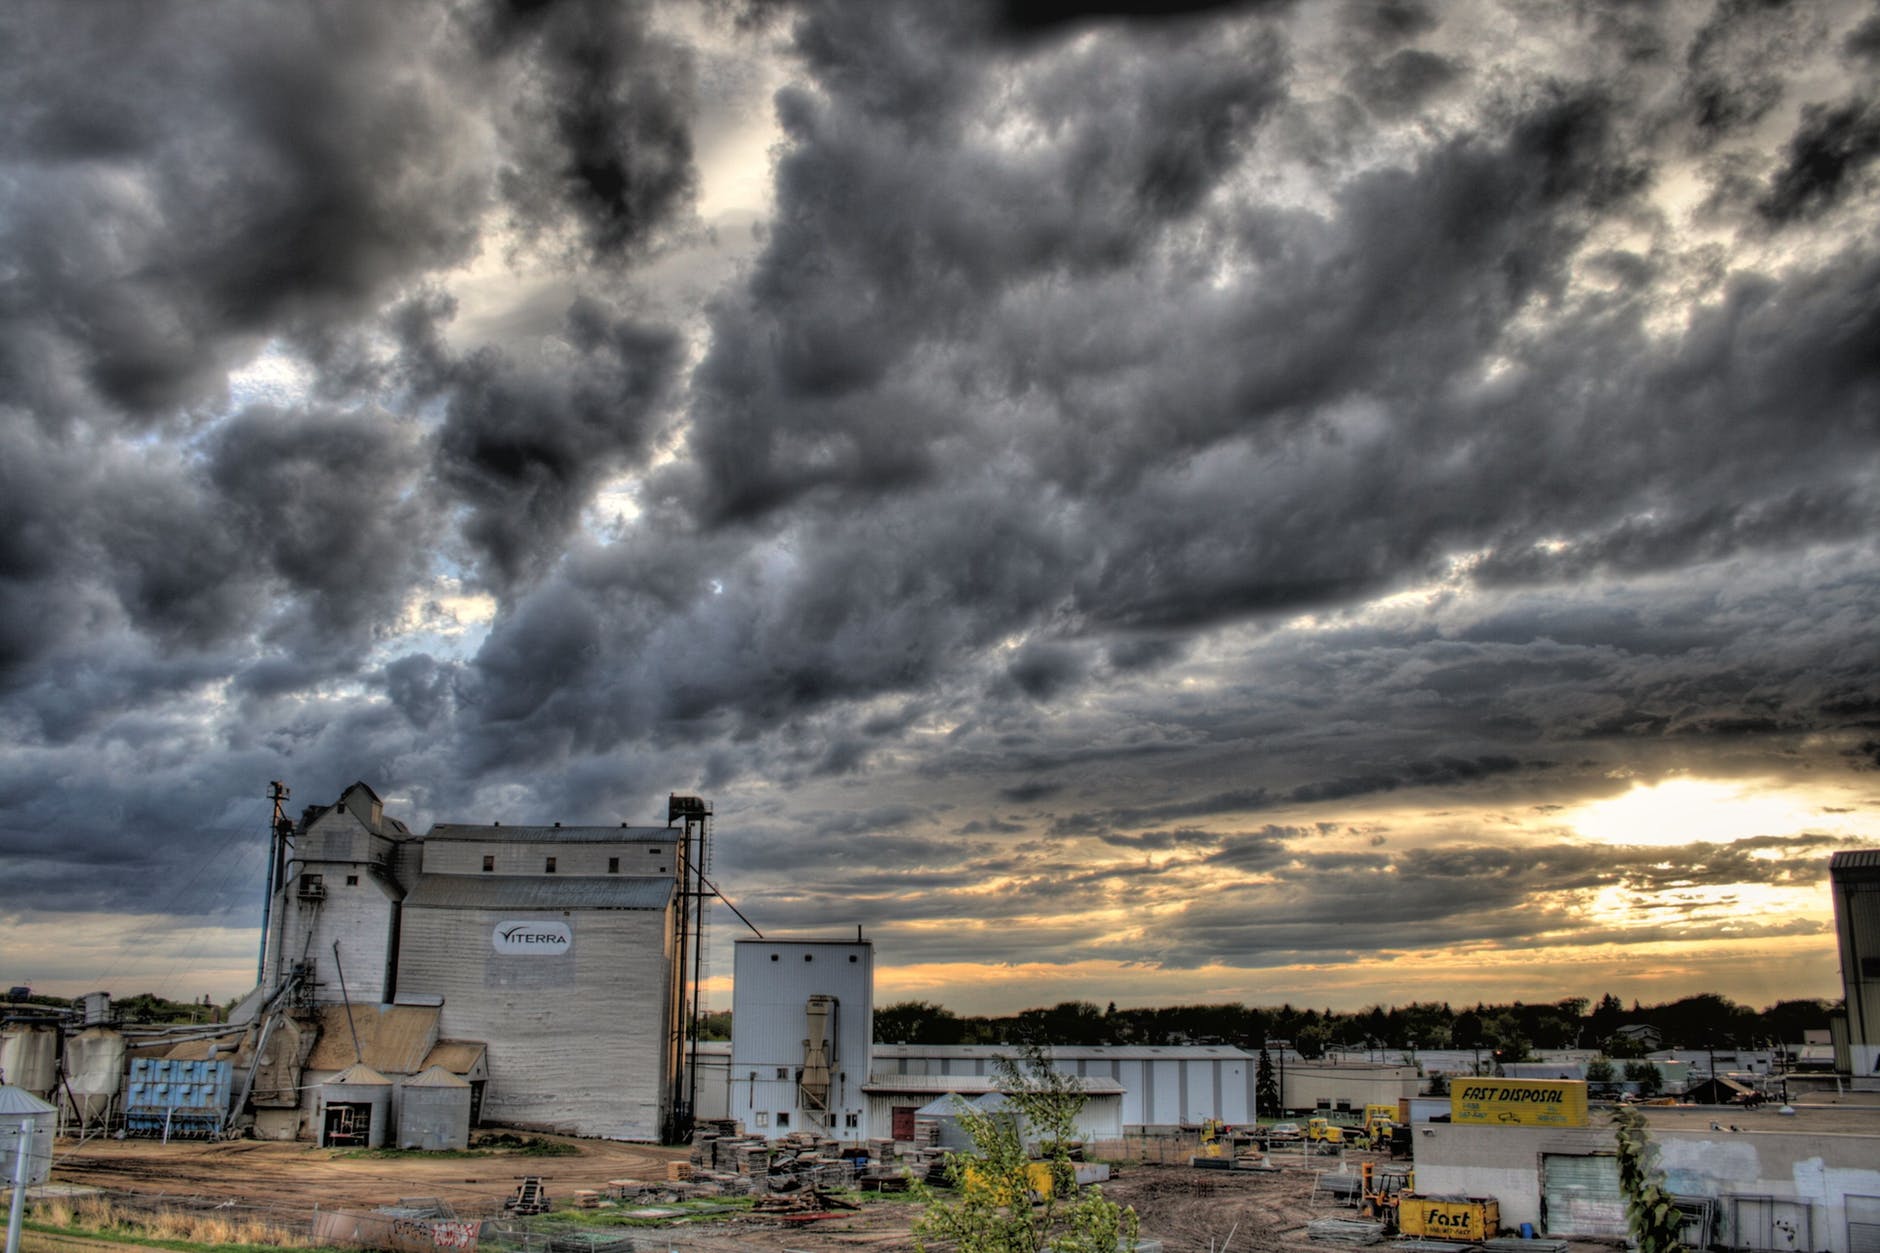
1580	1195
1863	1224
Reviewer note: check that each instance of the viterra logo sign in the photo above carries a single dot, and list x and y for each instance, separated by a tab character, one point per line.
532	939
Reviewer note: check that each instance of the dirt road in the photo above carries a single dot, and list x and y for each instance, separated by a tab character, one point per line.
1188	1210
300	1175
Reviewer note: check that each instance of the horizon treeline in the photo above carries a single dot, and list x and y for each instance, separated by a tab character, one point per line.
1508	1031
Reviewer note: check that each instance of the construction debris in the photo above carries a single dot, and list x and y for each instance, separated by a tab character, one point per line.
531	1197
1345	1230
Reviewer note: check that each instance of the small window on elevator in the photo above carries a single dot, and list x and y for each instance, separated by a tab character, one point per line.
613	865
550	868
489	862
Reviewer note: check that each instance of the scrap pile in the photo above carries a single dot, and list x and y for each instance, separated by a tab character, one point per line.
1344	1231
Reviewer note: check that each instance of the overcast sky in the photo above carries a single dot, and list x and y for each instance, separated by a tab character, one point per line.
1326	502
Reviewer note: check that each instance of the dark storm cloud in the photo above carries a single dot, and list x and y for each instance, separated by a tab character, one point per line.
186	185
528	439
1055	441
1404	81
1828	153
1437	772
600	133
890	239
325	500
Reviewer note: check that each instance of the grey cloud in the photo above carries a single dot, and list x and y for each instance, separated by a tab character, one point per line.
528	437
1827	153
219	182
600	138
1404	81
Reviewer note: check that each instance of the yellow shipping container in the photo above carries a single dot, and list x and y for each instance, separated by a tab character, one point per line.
1519	1102
1450	1218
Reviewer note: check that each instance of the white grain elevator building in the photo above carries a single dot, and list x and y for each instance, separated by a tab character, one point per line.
802	1022
552	960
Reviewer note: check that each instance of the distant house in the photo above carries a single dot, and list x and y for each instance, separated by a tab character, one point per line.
1642	1033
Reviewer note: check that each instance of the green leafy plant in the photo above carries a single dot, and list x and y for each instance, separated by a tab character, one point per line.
1006	1199
1651	1214
1649	1078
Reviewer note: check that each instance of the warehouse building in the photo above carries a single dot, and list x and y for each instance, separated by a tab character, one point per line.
1159	1085
1854	878
1751	1179
1346	1087
548	963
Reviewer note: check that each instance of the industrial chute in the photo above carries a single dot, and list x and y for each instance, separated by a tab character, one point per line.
818	1057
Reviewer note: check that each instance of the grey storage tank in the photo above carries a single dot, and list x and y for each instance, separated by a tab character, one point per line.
434	1111
356	1109
17	1106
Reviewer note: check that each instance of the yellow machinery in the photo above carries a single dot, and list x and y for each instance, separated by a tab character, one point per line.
1324	1131
1213	1139
1382	1189
1389	1194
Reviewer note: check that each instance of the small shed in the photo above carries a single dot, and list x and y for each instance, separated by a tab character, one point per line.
434	1111
17	1108
356	1109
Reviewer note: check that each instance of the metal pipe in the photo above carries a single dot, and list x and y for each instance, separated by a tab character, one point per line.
21	1172
345	997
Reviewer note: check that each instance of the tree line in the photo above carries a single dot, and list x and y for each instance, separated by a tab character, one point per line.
1510	1032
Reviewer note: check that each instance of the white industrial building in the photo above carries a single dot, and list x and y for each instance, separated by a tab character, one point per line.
801	1028
1854	877
1804	1182
894	1100
1160	1085
548	964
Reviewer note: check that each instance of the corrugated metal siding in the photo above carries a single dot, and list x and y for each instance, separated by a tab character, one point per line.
358	916
768	1027
1856	891
538	892
554	835
576	1039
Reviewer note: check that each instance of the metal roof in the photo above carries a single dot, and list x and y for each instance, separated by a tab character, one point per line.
469	891
1855	859
435	1077
556	835
18	1101
362	1075
1062	1053
393	1038
1093	1085
460	1057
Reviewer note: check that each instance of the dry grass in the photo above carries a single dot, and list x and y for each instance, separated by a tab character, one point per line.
98	1214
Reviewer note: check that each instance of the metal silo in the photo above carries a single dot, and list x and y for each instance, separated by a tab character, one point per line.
29	1056
356	1109
434	1111
94	1069
17	1107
